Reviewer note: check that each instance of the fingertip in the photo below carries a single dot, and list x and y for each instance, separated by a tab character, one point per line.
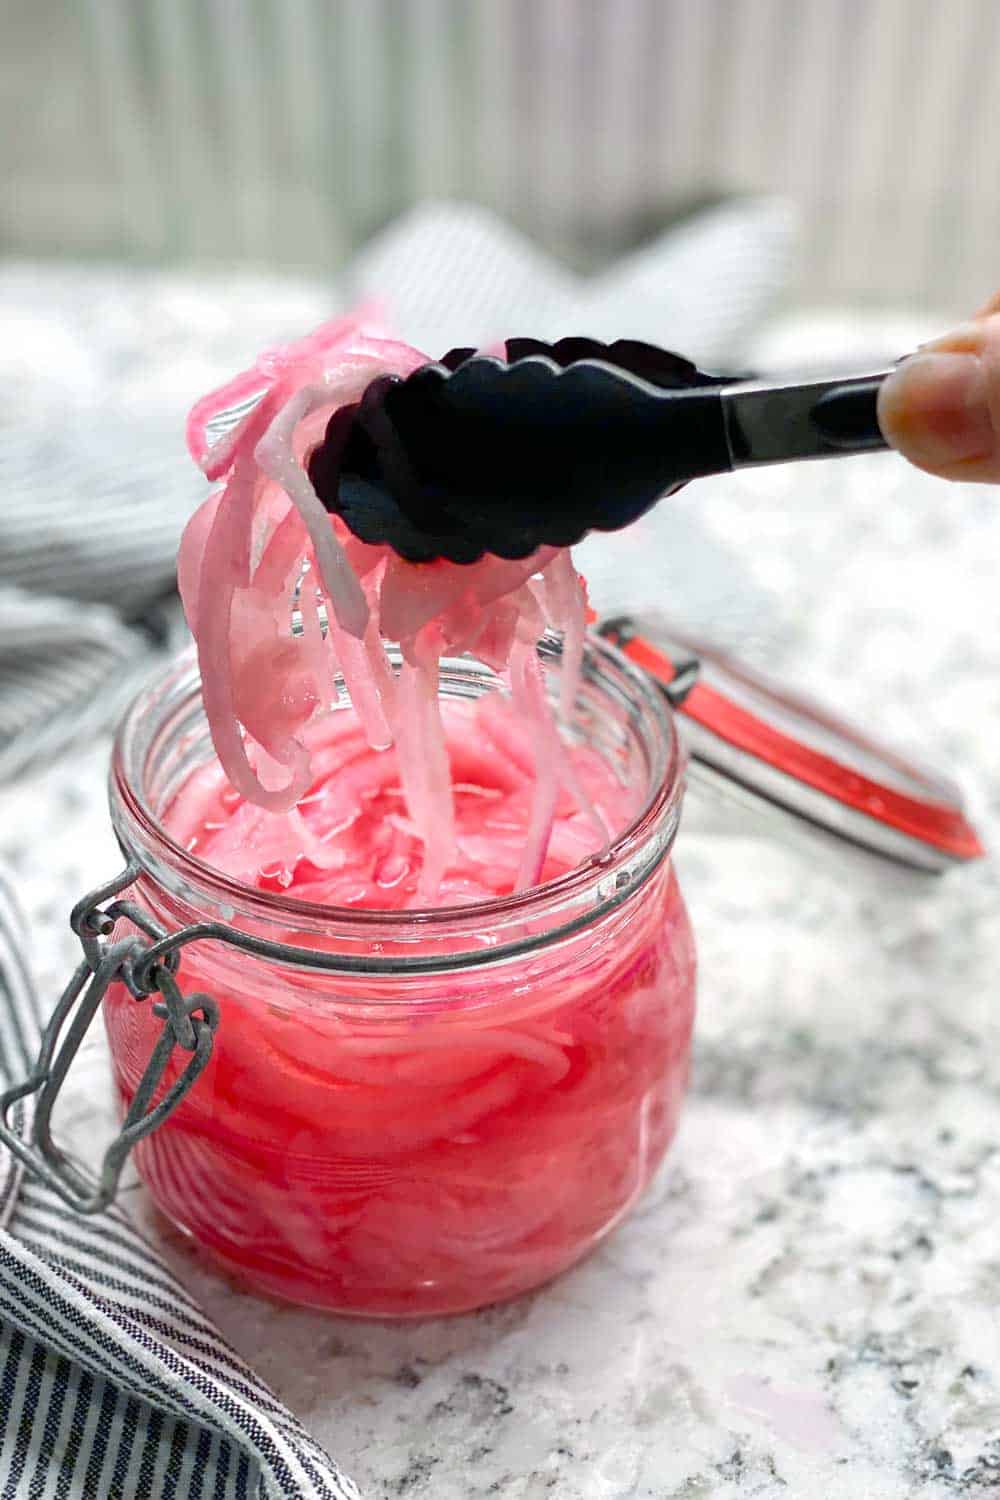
935	410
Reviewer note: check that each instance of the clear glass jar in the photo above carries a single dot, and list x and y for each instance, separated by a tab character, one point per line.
461	1102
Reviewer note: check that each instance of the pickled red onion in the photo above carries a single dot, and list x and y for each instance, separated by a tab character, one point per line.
275	457
244	391
264	545
528	692
566	599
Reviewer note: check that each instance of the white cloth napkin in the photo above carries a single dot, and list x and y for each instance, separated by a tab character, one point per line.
454	274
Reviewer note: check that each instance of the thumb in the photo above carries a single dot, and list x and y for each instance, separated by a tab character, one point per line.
941	407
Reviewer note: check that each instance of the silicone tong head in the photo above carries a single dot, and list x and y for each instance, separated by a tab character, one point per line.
658	367
476	454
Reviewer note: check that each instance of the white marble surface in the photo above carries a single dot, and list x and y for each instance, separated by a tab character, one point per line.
806	1302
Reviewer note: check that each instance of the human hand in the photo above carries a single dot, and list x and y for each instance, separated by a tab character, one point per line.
941	407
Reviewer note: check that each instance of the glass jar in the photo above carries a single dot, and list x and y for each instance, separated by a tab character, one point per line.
415	1113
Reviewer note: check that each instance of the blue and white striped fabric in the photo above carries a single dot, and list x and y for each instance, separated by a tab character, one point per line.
113	1384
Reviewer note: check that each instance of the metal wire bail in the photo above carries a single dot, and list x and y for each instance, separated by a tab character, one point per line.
189	1023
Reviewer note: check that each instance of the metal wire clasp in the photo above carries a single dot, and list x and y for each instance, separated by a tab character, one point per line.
189	1023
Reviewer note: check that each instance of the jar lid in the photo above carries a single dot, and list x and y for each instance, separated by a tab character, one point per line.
789	755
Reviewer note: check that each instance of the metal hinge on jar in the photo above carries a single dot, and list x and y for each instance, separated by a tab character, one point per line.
620	630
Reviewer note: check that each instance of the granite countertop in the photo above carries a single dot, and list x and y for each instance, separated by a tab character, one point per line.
806	1301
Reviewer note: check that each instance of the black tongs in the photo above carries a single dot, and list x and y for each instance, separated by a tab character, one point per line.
477	454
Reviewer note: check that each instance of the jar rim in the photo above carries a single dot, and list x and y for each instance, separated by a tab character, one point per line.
140	829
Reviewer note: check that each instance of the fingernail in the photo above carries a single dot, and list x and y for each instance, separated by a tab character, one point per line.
967	338
934	408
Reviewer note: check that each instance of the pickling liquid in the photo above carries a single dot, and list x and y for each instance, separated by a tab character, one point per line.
431	1144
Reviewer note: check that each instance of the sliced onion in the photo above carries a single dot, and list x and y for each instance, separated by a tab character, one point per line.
567	607
528	692
216	458
425	772
275	455
250	386
191	554
241	556
225	568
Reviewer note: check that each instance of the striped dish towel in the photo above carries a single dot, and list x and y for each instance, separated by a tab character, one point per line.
112	1382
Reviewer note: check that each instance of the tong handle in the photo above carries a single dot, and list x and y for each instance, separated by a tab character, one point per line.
770	425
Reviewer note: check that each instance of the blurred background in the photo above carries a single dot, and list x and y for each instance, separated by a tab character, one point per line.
286	132
760	184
